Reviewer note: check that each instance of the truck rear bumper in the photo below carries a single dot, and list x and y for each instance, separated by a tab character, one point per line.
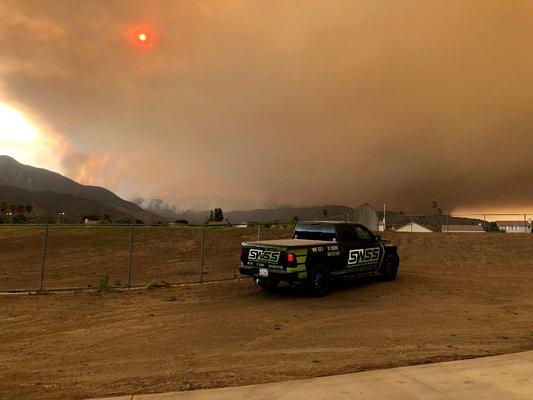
278	274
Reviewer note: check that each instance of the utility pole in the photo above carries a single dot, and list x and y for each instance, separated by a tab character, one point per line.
202	254
130	256
43	258
384	217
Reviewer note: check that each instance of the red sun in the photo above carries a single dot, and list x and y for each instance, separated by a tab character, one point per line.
141	36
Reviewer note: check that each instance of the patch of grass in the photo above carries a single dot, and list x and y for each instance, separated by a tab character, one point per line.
151	285
103	284
171	298
117	283
156	284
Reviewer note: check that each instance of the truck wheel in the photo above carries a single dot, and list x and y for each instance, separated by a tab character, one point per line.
267	284
389	270
317	282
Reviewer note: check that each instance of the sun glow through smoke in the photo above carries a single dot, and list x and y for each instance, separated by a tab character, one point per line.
15	127
23	140
141	36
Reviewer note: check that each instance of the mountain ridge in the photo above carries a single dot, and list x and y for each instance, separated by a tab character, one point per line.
33	179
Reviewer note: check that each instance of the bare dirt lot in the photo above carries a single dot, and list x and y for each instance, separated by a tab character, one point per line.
78	255
456	296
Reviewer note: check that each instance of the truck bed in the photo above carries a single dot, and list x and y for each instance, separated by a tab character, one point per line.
288	243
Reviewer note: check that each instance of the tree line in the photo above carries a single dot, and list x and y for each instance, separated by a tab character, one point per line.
15	213
15	208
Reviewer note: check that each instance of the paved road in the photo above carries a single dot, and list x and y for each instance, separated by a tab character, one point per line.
505	377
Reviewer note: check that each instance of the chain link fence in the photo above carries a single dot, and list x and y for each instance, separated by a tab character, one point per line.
59	257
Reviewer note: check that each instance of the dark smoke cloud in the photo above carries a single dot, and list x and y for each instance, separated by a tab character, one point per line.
257	103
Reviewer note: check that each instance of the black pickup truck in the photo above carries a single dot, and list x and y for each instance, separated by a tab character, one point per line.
318	253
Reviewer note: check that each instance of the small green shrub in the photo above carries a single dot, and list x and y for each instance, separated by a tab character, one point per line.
171	298
151	285
156	284
103	284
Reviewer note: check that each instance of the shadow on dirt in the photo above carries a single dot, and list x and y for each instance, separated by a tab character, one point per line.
286	291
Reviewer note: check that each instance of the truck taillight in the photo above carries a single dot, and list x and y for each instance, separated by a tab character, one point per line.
291	258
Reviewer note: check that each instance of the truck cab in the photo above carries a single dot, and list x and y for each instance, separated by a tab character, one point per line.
319	251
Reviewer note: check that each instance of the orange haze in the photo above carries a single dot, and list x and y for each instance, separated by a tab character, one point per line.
256	103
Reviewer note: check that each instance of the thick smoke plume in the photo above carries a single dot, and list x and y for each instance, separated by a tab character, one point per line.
256	103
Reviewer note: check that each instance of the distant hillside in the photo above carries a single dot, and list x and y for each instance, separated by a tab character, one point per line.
159	207
264	215
17	175
282	214
49	204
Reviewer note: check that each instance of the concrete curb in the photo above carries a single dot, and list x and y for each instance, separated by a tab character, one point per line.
508	376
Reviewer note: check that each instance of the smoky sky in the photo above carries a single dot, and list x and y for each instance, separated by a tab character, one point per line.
245	104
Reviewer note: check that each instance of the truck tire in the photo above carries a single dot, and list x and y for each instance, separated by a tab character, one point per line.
267	284
389	270
318	282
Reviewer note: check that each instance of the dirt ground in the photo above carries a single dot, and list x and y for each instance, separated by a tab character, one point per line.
457	296
78	255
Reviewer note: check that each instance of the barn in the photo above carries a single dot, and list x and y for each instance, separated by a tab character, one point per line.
365	215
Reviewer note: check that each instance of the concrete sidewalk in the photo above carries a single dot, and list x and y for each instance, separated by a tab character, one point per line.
505	377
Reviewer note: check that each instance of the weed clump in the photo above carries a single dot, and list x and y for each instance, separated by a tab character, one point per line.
156	284
103	284
151	285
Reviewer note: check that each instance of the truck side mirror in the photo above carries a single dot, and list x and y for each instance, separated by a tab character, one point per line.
377	237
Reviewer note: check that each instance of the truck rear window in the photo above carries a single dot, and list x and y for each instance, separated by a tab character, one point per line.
315	232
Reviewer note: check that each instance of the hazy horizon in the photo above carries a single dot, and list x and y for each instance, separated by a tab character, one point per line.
252	104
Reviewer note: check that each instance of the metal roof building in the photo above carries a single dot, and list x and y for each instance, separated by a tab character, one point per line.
463	228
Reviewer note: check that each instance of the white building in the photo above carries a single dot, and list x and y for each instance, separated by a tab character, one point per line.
463	229
414	227
515	226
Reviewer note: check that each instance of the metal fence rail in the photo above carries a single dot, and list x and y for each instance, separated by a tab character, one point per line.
487	222
38	258
61	256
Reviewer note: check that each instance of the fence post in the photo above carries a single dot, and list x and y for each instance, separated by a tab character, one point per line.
258	232
448	223
411	223
202	254
130	257
525	223
43	259
485	222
